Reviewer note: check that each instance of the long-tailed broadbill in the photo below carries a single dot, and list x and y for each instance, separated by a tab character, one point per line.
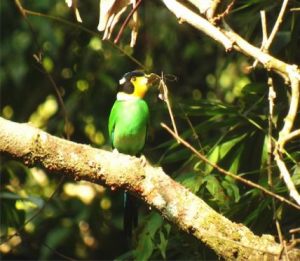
128	122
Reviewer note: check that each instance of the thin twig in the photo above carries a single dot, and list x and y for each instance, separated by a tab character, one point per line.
126	21
286	177
292	135
279	232
295	230
294	103
276	25
271	97
267	41
264	27
294	242
217	18
227	173
58	253
286	251
264	33
165	96
195	134
81	27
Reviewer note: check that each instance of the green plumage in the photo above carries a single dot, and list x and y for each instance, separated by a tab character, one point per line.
128	122
127	128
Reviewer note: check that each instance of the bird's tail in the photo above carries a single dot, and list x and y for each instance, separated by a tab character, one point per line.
130	214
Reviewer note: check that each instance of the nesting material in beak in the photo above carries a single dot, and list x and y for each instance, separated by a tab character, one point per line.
152	78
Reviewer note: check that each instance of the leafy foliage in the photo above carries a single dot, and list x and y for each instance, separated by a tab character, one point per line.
220	108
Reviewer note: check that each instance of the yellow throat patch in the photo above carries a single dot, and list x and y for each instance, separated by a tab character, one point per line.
140	86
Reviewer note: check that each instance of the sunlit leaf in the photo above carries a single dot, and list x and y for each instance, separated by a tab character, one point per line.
216	190
191	180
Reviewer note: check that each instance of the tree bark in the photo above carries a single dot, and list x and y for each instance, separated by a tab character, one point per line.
173	201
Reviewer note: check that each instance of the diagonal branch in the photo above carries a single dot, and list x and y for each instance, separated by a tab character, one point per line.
286	134
225	172
275	29
177	204
228	38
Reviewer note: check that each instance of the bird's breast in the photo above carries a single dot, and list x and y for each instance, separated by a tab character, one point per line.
131	127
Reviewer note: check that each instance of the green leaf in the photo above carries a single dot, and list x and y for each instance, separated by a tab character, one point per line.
38	201
162	246
216	190
221	150
256	212
232	190
296	175
10	216
54	238
191	180
146	243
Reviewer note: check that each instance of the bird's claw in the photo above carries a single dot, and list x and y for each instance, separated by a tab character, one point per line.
143	160
115	151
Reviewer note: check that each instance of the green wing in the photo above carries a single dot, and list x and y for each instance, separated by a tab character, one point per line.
112	120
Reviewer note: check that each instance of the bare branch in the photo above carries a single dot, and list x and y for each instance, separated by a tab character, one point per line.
266	42
271	98
292	135
186	15
165	97
276	26
217	18
294	103
264	27
264	33
285	134
228	38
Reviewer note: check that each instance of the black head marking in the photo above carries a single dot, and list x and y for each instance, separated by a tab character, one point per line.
136	73
126	85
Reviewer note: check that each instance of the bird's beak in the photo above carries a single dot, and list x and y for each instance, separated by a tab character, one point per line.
152	78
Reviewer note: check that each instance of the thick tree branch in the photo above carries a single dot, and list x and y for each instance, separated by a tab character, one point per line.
151	184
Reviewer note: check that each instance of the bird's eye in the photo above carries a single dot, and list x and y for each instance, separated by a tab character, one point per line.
133	78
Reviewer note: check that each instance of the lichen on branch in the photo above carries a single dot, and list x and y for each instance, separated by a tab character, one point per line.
173	201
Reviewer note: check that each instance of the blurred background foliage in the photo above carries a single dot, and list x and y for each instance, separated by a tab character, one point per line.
220	107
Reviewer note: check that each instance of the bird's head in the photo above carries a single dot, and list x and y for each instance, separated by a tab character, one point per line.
135	84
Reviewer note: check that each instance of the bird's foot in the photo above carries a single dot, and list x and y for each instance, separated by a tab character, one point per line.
143	160
115	151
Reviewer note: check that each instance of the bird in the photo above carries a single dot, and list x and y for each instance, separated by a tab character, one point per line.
128	123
